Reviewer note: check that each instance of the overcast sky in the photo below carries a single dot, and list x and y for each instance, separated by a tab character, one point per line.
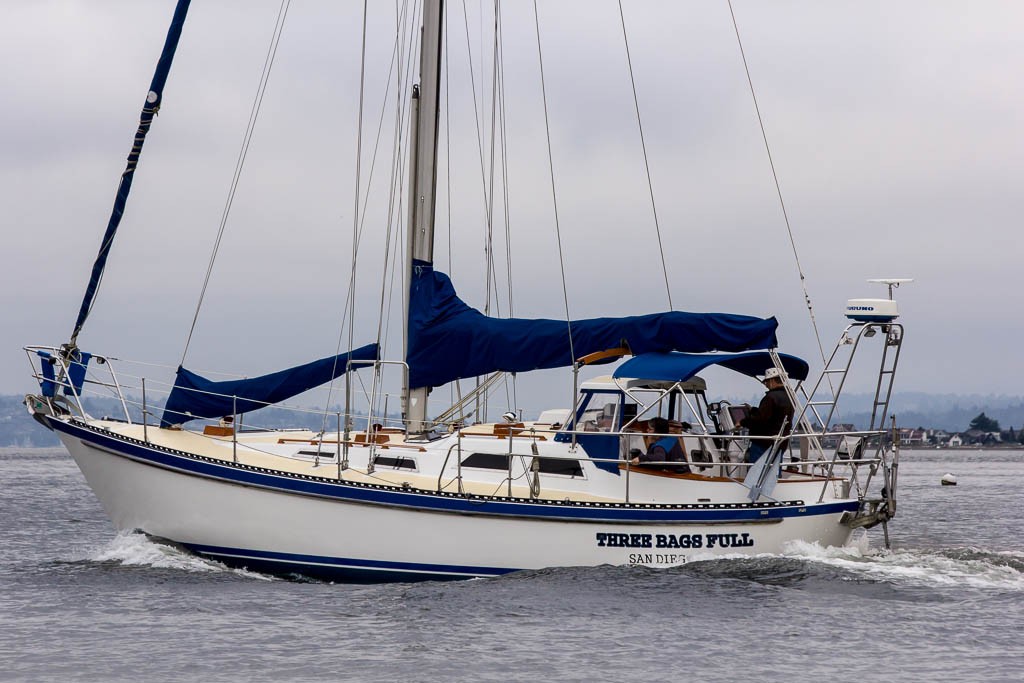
895	127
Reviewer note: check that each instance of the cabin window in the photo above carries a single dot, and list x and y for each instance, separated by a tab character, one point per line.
568	468
329	455
600	412
499	461
398	462
487	461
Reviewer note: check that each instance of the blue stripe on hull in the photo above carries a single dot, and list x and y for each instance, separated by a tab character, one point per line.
432	501
339	568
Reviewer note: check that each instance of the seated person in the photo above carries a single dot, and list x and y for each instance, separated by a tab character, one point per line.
664	449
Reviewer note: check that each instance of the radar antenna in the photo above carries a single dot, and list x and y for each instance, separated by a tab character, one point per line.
891	282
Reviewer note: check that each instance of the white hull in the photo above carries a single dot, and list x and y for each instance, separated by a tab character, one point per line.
281	531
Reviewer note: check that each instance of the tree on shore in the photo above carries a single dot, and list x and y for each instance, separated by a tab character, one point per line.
984	423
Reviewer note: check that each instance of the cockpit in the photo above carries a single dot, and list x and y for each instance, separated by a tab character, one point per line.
618	417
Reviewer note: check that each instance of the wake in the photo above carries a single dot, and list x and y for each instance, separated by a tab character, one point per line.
135	549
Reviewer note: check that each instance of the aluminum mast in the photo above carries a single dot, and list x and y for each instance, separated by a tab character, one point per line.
423	190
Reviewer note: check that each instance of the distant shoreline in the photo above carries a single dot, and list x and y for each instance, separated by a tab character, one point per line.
38	451
972	447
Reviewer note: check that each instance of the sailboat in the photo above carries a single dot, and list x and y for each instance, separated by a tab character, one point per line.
646	468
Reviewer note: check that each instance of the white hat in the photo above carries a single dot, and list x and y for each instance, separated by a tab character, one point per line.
772	373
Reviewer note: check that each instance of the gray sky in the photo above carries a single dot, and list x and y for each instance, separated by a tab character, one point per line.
895	128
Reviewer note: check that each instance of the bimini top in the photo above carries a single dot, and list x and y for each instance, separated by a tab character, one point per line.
679	367
449	340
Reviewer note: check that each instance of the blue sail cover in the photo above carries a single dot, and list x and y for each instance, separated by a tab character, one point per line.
449	340
679	367
77	366
193	396
48	384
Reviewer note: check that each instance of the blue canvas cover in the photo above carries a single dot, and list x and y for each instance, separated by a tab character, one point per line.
679	367
77	367
449	340
194	396
48	384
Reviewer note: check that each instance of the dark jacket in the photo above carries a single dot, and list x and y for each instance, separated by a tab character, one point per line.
666	449
767	418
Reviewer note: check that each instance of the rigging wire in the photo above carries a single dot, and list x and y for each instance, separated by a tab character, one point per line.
504	174
399	174
357	237
778	190
500	75
403	255
647	165
359	166
491	269
448	141
490	195
349	311
455	389
394	215
480	148
497	110
554	194
377	368
268	63
488	215
396	186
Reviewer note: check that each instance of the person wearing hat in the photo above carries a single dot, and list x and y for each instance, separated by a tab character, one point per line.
766	420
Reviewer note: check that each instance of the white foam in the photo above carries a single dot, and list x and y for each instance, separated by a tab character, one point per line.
137	550
916	567
904	567
795	549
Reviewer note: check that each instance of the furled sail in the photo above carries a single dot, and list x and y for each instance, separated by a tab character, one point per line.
449	340
152	105
194	396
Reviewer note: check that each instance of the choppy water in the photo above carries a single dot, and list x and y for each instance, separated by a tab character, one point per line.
78	602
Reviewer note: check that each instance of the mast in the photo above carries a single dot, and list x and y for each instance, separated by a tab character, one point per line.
154	98
423	189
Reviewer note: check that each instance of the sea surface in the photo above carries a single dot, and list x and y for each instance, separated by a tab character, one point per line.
79	602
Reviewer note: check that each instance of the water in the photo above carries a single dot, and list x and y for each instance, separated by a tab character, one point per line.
78	602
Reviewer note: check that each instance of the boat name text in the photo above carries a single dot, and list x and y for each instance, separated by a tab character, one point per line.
674	541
